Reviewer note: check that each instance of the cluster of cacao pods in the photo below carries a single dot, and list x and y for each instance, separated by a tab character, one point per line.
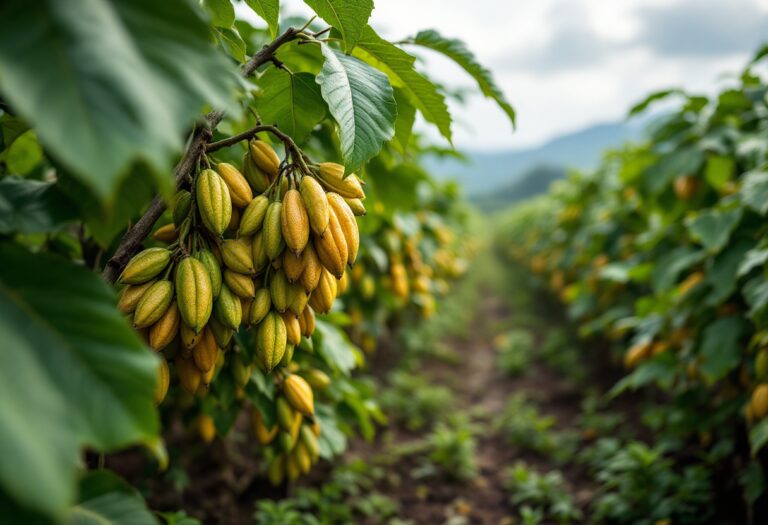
265	247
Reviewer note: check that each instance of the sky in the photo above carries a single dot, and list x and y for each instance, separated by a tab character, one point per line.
568	64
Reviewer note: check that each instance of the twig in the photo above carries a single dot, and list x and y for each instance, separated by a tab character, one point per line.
136	234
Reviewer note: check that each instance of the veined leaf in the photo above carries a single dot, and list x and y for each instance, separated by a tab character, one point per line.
406	115
348	16
712	228
398	65
86	377
361	101
269	11
458	52
106	499
107	83
292	101
31	206
222	12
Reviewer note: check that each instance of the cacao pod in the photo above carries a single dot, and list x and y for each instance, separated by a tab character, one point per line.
194	293
313	195
301	457
332	247
145	265
313	268
237	256
263	434
153	304
165	329
759	401
341	286
213	201
258	180
130	295
281	291
761	364
271	233
357	206
299	394
348	225
309	440
292	329
253	216
300	300
294	222
163	380
222	334
260	306
205	352
205	427
292	470
287	356
293	265
234	221
285	414
286	441
190	376
271	340
332	177
211	264
307	322
241	285
239	190
166	233
265	158
317	379
180	206
259	253
227	309
322	298
189	338
685	187
276	471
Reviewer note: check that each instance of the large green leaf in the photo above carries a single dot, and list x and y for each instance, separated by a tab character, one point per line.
222	12
30	206
406	116
72	374
361	100
348	16
106	83
458	52
106	499
682	161
712	228
720	350
290	100
269	11
398	65
754	191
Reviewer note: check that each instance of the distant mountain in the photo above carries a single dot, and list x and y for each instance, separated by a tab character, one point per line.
533	182
487	171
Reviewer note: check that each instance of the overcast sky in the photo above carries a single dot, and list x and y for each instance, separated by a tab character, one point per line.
566	64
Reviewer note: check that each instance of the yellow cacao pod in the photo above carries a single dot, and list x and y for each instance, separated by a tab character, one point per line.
313	196
189	338
299	394
271	340
759	401
259	253
130	296
317	379
271	234
206	351
301	456
323	296
332	177
180	206
211	264
163	380
260	306
228	310
205	427
265	158
281	291
194	293
166	233
239	190
307	322
240	284
208	375
165	329
213	201
222	334
253	216
341	286
293	265
638	353
190	376
276	471
292	470
310	277
287	356
237	256
292	329
294	222
348	225
234	221
145	265
309	440
258	180
331	248
284	413
153	304
300	300
357	206
263	434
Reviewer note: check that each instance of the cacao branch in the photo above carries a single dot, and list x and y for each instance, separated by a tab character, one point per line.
136	234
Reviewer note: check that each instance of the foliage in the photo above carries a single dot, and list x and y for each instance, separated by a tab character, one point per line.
515	350
451	446
540	495
414	400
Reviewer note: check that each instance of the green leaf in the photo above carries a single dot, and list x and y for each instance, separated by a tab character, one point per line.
722	277
222	12
30	206
331	441
232	41
653	97
713	227
292	101
421	93
758	436
406	116
78	376
269	11
334	347
754	191
672	264
458	52
754	258
720	350
107	83
683	161
24	154
348	16
106	499
719	170
361	101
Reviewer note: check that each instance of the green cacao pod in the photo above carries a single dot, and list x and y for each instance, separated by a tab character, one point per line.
260	306
258	252
239	190
313	196
222	334
271	340
281	290
194	293
227	309
153	304
285	414
213	201
130	296
294	222
258	180
265	158
253	216
145	265
272	235
241	285
237	256
299	394
211	264
180	206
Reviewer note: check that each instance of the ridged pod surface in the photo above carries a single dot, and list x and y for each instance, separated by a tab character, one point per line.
258	253
190	376
239	190
310	276
153	304
213	201
281	291
294	222
165	329
323	296
237	256
307	322
271	340
313	196
222	334
241	285
271	233
299	394
332	176
284	413
264	157
348	225
299	301
163	381
130	296
293	265
258	180
228	310
194	293
166	233
189	337
357	206
331	248
145	265
205	352
260	306
292	328
253	216
214	270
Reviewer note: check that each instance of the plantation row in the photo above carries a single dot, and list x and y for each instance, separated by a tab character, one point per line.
661	253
